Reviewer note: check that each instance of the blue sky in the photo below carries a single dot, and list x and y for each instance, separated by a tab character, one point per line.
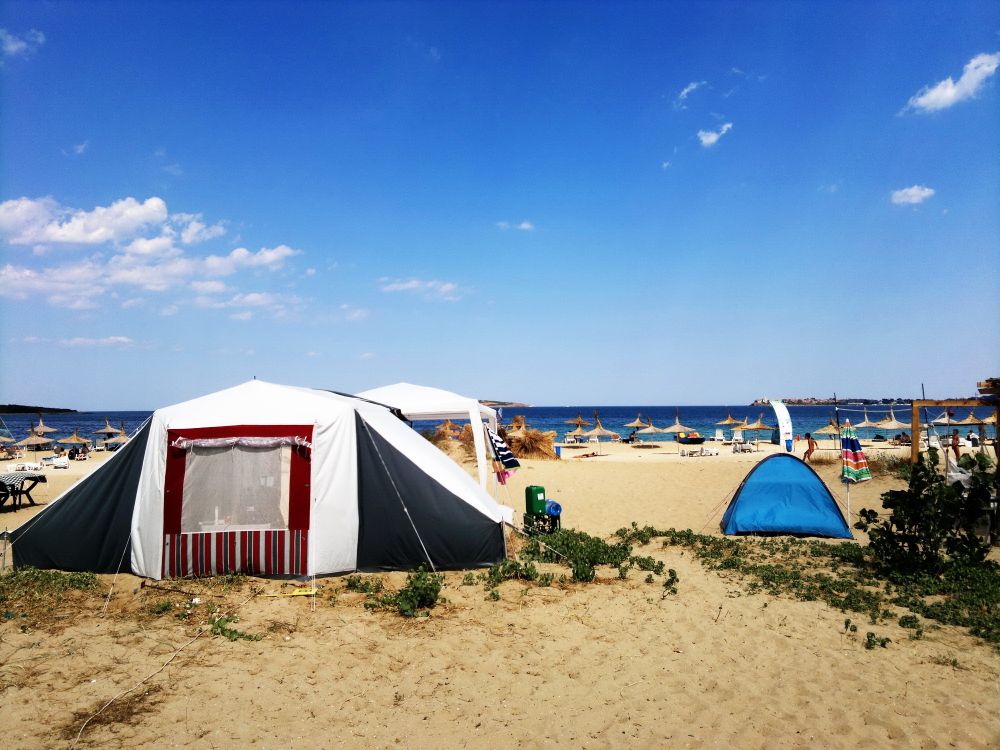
552	202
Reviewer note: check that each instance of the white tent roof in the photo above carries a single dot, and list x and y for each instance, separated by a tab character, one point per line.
424	402
421	402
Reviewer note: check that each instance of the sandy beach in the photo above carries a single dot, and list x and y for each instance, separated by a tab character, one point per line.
608	664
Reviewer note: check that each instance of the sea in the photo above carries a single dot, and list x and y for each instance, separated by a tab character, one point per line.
702	419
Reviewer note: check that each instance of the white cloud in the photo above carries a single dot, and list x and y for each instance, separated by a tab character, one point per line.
366	355
253	299
310	272
80	148
169	310
709	138
137	245
196	232
912	195
447	290
22	219
14	45
120	342
949	92
245	315
524	226
665	165
679	102
352	313
830	188
270	258
176	170
153	247
209	287
26	221
312	354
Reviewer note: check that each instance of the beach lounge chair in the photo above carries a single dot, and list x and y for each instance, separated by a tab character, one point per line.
720	436
60	462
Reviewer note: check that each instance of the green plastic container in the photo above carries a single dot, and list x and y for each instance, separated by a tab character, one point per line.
534	499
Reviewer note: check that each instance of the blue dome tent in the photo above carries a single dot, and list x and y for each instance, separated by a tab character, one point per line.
783	495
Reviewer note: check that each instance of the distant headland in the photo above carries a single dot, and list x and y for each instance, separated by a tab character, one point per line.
812	401
22	409
504	404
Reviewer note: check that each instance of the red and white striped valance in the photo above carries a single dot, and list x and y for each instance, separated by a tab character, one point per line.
264	553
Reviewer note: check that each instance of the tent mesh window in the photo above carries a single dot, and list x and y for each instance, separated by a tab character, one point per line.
236	487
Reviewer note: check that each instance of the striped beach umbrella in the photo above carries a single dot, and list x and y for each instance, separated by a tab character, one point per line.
855	465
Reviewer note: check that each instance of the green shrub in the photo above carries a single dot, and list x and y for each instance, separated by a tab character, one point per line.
25	584
930	522
364	585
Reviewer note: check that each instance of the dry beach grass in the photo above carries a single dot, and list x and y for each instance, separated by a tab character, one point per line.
568	664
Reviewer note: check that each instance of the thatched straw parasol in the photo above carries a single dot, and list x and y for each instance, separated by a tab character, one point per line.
830	429
728	420
991	419
4	439
107	430
866	423
34	440
74	439
650	429
599	431
637	422
891	423
677	426
41	428
578	432
119	438
759	425
448	428
579	421
970	420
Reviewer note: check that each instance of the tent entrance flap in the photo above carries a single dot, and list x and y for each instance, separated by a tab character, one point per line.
236	499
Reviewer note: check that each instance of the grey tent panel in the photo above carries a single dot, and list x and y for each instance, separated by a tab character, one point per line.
454	533
90	527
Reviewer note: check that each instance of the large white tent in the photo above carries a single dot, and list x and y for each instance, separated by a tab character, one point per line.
272	480
420	402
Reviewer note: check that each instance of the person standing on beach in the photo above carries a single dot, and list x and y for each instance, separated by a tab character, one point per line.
954	443
810	447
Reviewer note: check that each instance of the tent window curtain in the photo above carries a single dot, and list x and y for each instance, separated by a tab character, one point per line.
236	487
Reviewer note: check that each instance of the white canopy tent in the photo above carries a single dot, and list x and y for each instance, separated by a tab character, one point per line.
420	402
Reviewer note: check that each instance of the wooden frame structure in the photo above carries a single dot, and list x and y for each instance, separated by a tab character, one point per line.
979	403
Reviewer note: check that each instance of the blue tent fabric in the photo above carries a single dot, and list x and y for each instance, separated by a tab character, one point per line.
783	495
